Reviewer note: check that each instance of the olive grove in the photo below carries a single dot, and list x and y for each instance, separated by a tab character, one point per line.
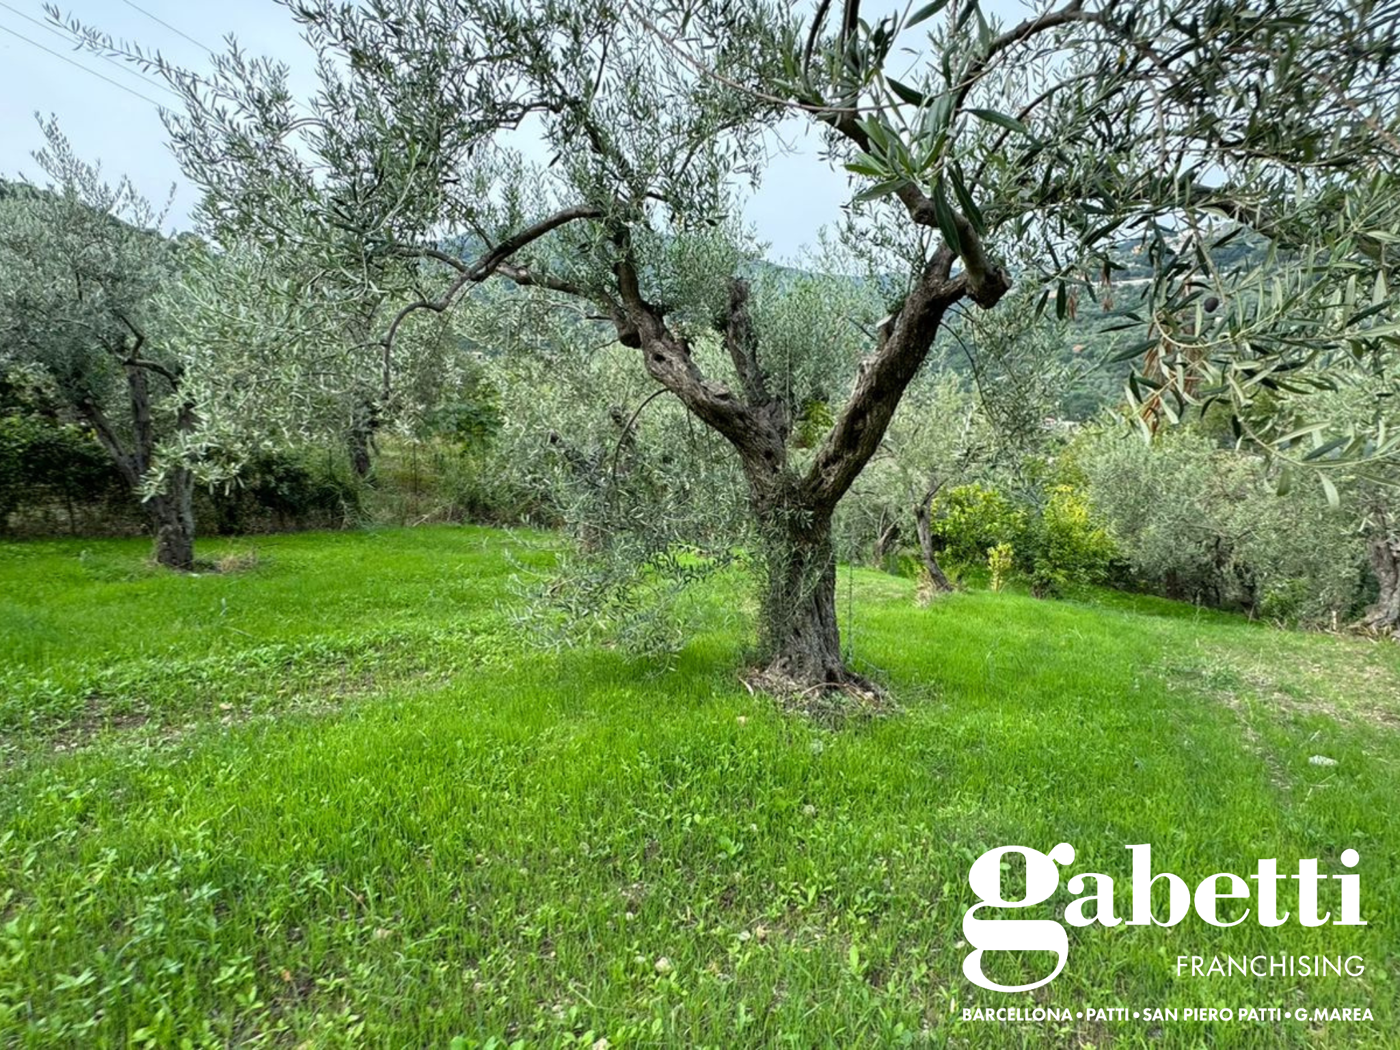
982	156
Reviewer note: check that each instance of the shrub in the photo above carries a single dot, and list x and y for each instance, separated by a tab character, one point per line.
472	421
970	520
45	463
1001	559
1059	544
1065	544
284	489
1198	522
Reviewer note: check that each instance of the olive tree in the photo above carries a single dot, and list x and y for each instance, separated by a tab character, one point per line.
271	358
82	267
1203	523
1365	492
1179	124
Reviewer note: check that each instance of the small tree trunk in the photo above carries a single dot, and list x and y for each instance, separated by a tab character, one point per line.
358	445
172	515
359	438
1383	549
885	544
923	519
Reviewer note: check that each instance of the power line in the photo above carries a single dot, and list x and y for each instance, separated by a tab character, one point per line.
168	26
110	61
78	65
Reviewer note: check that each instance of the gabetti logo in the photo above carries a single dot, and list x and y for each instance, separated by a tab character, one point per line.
1047	935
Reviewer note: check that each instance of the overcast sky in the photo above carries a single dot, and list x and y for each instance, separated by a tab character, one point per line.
116	119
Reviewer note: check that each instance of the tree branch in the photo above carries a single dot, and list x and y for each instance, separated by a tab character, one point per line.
850	21
134	359
107	437
527	278
756	432
904	345
987	282
487	264
1070	13
818	20
742	344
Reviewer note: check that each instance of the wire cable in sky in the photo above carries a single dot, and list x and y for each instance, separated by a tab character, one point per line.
168	26
110	61
79	65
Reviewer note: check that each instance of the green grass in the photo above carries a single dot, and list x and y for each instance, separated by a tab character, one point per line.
334	799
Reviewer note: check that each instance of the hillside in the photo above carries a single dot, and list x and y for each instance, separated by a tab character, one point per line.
331	797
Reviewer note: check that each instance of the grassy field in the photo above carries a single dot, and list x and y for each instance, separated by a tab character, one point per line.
332	798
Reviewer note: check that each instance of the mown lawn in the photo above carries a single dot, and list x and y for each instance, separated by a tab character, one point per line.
334	798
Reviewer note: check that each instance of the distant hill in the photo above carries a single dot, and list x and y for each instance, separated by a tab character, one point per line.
10	189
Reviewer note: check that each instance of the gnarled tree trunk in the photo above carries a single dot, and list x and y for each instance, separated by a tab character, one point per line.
799	635
799	626
172	518
923	519
171	510
1383	550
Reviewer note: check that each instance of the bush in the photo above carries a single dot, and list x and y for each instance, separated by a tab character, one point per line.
1059	544
1202	523
282	490
969	520
1065	545
472	421
45	464
1001	559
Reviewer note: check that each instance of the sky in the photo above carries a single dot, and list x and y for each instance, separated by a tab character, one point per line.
110	112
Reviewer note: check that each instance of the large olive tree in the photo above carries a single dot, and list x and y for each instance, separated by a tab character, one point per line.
1176	125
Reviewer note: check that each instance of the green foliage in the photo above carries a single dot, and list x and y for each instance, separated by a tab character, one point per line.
969	520
633	591
1056	545
814	419
813	328
1254	282
471	425
1204	523
42	462
286	489
81	268
1065	545
1001	560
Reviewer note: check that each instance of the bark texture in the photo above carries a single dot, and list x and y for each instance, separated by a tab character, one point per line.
1383	549
923	519
171	510
801	639
359	437
172	519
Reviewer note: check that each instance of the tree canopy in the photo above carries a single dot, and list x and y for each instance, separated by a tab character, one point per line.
983	155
